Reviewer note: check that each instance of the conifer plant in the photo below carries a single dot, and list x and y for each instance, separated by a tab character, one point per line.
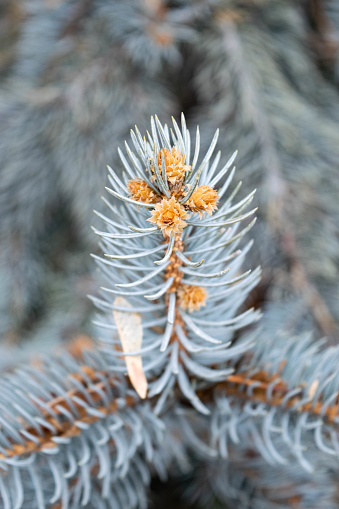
177	375
176	378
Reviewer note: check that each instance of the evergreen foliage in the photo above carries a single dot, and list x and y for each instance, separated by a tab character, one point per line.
242	411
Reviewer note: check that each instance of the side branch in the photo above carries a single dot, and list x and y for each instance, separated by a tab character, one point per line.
72	402
271	390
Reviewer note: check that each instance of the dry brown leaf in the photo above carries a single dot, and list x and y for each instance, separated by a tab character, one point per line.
130	333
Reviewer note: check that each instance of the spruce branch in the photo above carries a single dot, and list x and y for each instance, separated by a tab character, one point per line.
246	480
255	88
282	401
183	320
71	430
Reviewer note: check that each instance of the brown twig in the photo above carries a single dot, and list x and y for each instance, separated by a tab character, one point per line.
235	384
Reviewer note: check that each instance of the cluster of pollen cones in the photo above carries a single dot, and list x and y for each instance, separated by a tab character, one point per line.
170	213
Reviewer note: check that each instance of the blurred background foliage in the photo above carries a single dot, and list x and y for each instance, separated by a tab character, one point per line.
76	75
